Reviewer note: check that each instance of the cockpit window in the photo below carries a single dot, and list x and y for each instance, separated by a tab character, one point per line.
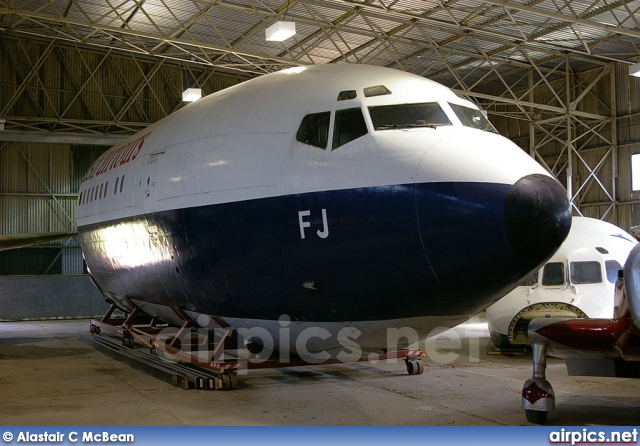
378	90
348	125
586	272
612	268
403	116
314	129
532	280
553	274
470	117
346	95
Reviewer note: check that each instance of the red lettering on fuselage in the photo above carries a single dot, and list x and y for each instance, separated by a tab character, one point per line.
116	157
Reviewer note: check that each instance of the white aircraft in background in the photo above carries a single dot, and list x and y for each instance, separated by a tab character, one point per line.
317	208
577	281
591	347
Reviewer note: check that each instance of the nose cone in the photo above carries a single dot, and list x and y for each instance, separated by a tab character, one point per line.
537	217
481	239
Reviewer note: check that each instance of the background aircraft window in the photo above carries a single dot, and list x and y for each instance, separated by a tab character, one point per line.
121	183
386	117
347	94
586	272
314	130
471	117
553	274
80	198
530	281
106	189
348	125
612	268
378	90
115	189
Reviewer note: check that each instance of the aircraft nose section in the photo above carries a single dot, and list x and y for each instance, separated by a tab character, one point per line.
537	217
481	239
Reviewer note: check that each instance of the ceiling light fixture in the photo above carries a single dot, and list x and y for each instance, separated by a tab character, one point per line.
191	94
280	31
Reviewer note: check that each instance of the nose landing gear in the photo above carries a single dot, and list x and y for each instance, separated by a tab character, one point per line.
538	397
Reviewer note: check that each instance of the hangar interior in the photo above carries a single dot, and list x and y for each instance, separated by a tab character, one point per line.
78	76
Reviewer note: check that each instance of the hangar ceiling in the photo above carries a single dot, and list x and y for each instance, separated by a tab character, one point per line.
465	44
551	73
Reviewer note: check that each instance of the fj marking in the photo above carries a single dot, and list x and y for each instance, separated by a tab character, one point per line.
305	224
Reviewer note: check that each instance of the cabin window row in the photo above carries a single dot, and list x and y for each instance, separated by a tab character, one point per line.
99	192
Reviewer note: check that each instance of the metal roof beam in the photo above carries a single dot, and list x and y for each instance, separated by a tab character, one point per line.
61	138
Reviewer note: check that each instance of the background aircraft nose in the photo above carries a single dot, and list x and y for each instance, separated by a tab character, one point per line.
537	217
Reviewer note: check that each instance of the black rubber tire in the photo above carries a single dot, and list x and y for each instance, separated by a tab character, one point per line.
536	416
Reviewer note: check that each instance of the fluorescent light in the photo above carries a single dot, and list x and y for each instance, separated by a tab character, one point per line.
634	70
280	31
191	94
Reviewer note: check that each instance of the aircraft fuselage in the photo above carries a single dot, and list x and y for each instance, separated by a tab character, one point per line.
304	194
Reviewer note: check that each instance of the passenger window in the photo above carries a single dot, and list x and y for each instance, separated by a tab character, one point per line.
348	125
314	130
586	272
553	274
121	183
612	268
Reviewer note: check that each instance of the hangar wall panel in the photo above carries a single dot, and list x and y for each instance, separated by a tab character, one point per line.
38	192
599	113
49	297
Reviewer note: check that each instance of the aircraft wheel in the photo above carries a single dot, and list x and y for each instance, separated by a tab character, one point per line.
536	416
410	366
234	381
226	382
92	329
414	367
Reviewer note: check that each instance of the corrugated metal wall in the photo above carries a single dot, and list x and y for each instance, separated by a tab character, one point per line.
52	87
38	191
628	123
602	164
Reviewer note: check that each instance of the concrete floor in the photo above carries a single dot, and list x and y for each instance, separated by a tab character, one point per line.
49	377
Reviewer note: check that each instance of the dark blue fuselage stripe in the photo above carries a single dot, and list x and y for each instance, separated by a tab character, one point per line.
385	252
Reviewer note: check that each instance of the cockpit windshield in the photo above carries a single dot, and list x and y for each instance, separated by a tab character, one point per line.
473	118
403	116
